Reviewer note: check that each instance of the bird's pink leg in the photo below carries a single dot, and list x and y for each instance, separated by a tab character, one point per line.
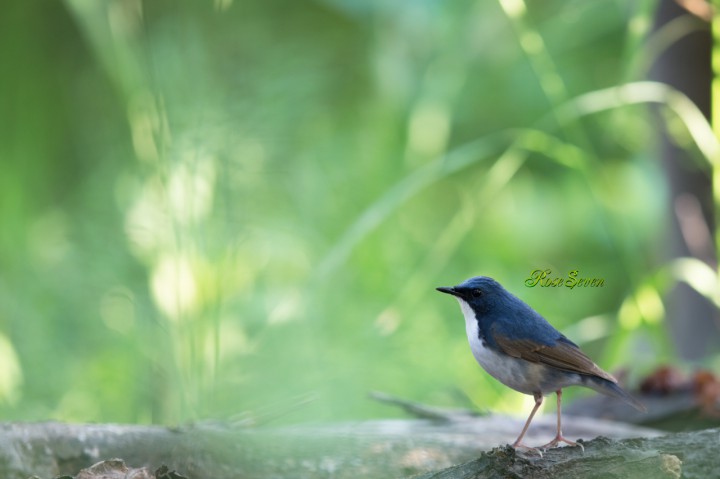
559	437
518	442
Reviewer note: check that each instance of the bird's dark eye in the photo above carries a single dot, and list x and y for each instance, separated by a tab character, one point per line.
476	293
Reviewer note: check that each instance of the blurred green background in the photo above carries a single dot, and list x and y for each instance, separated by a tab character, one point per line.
244	206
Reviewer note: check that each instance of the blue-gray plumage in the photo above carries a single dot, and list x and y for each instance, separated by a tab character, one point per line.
519	348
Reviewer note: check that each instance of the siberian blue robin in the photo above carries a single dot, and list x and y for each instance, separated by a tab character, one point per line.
519	348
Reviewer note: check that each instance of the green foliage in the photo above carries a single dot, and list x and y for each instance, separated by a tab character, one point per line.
211	208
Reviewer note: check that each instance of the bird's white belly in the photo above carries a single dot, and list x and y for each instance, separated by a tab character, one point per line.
519	374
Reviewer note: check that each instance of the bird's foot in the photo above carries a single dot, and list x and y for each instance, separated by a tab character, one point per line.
558	439
522	447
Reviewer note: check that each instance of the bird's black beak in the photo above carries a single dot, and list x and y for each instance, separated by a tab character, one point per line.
448	290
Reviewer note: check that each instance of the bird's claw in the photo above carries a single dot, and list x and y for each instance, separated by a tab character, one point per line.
533	450
558	439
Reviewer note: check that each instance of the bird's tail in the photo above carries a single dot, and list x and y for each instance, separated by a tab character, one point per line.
612	389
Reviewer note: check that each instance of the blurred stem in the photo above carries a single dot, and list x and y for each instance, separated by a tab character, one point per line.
715	108
542	63
662	39
641	43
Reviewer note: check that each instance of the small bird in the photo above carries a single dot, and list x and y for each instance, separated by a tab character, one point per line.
519	348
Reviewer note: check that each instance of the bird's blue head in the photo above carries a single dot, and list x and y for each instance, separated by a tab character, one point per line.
480	292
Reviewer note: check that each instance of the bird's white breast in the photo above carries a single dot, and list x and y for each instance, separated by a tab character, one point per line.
488	359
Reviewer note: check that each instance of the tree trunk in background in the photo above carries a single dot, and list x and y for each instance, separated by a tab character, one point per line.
686	65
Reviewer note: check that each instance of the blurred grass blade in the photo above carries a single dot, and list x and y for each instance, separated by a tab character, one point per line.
699	276
452	162
499	174
647	92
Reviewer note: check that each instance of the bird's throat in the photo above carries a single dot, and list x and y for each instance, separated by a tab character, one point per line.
471	322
